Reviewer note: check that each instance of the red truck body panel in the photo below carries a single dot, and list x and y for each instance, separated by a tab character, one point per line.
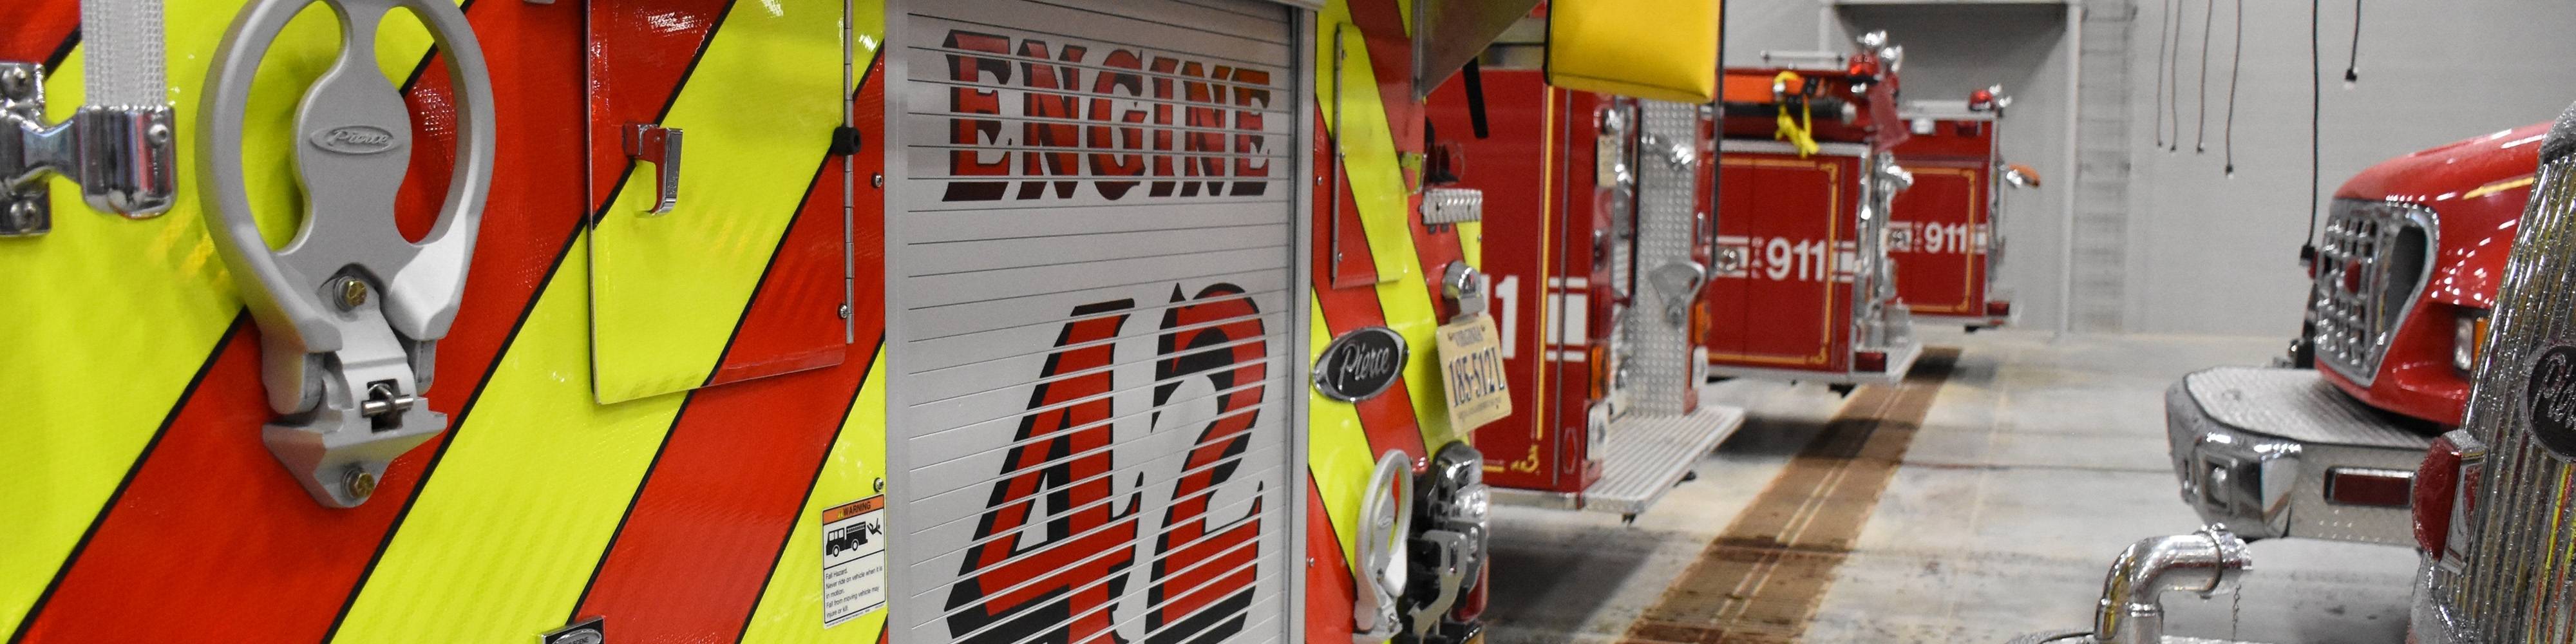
2477	187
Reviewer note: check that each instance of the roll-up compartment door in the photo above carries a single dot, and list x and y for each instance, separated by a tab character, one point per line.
1095	323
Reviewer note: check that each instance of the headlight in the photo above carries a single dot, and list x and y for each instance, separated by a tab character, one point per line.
2468	337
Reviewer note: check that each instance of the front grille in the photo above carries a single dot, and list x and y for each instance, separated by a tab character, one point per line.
2370	265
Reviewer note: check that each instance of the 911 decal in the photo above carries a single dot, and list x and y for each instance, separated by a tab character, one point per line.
1068	581
1784	259
1929	237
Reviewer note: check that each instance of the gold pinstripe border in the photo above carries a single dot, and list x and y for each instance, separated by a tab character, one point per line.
1833	234
108	319
1968	274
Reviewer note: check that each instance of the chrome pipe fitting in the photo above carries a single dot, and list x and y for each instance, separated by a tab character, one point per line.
2206	562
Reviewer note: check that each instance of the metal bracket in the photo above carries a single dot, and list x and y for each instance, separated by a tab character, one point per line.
659	146
349	312
122	156
1679	283
1452	205
1464	287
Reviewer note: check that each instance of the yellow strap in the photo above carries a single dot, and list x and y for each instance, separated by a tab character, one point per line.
1799	132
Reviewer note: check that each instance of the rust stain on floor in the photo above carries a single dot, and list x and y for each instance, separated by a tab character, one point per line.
1761	580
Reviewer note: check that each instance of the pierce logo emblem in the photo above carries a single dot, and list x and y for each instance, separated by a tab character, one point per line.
2550	398
354	139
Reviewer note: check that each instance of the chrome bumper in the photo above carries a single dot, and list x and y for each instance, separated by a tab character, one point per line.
2253	449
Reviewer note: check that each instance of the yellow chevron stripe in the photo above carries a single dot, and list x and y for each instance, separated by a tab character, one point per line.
107	319
530	490
791	609
1337	449
758	113
1377	186
509	526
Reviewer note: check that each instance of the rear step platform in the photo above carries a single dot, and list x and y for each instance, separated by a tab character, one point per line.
1642	459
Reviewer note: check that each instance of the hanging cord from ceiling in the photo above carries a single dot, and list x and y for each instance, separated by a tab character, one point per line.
2164	49
2235	68
2352	64
2173	77
2316	118
2208	19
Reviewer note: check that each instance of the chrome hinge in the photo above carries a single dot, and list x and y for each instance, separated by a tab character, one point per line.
349	312
122	156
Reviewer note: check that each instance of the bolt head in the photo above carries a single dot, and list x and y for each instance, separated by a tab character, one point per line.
876	180
14	80
353	293
361	483
845	310
159	134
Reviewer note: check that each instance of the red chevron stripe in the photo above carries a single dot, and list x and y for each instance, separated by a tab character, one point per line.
1387	419
1330	590
37	28
732	479
210	517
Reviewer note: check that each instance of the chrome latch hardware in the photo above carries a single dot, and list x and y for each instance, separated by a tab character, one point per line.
123	156
1679	283
1452	205
1386	525
659	146
350	313
1464	287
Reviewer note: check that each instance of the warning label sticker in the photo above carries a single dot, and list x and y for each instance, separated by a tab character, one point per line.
854	567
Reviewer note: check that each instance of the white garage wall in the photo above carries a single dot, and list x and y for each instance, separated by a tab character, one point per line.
2167	242
2219	255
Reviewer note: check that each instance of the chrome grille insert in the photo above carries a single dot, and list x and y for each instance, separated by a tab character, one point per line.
2370	267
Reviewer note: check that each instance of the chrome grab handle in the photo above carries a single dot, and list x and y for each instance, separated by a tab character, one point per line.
349	312
1386	521
659	146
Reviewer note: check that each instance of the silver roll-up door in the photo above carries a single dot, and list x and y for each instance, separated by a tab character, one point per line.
1096	329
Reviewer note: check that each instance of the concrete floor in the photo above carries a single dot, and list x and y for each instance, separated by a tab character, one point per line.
2039	460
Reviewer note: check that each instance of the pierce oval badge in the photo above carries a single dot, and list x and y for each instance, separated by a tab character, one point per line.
1360	365
354	139
2551	400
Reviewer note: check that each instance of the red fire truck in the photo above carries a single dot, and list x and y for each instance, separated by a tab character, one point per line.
987	321
2485	505
1802	287
1942	231
1596	240
2361	435
2406	269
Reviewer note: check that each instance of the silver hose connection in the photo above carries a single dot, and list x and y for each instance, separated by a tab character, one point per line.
2206	562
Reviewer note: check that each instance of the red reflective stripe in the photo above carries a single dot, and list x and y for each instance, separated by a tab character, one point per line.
1388	418
210	516
37	28
1330	591
776	331
727	487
